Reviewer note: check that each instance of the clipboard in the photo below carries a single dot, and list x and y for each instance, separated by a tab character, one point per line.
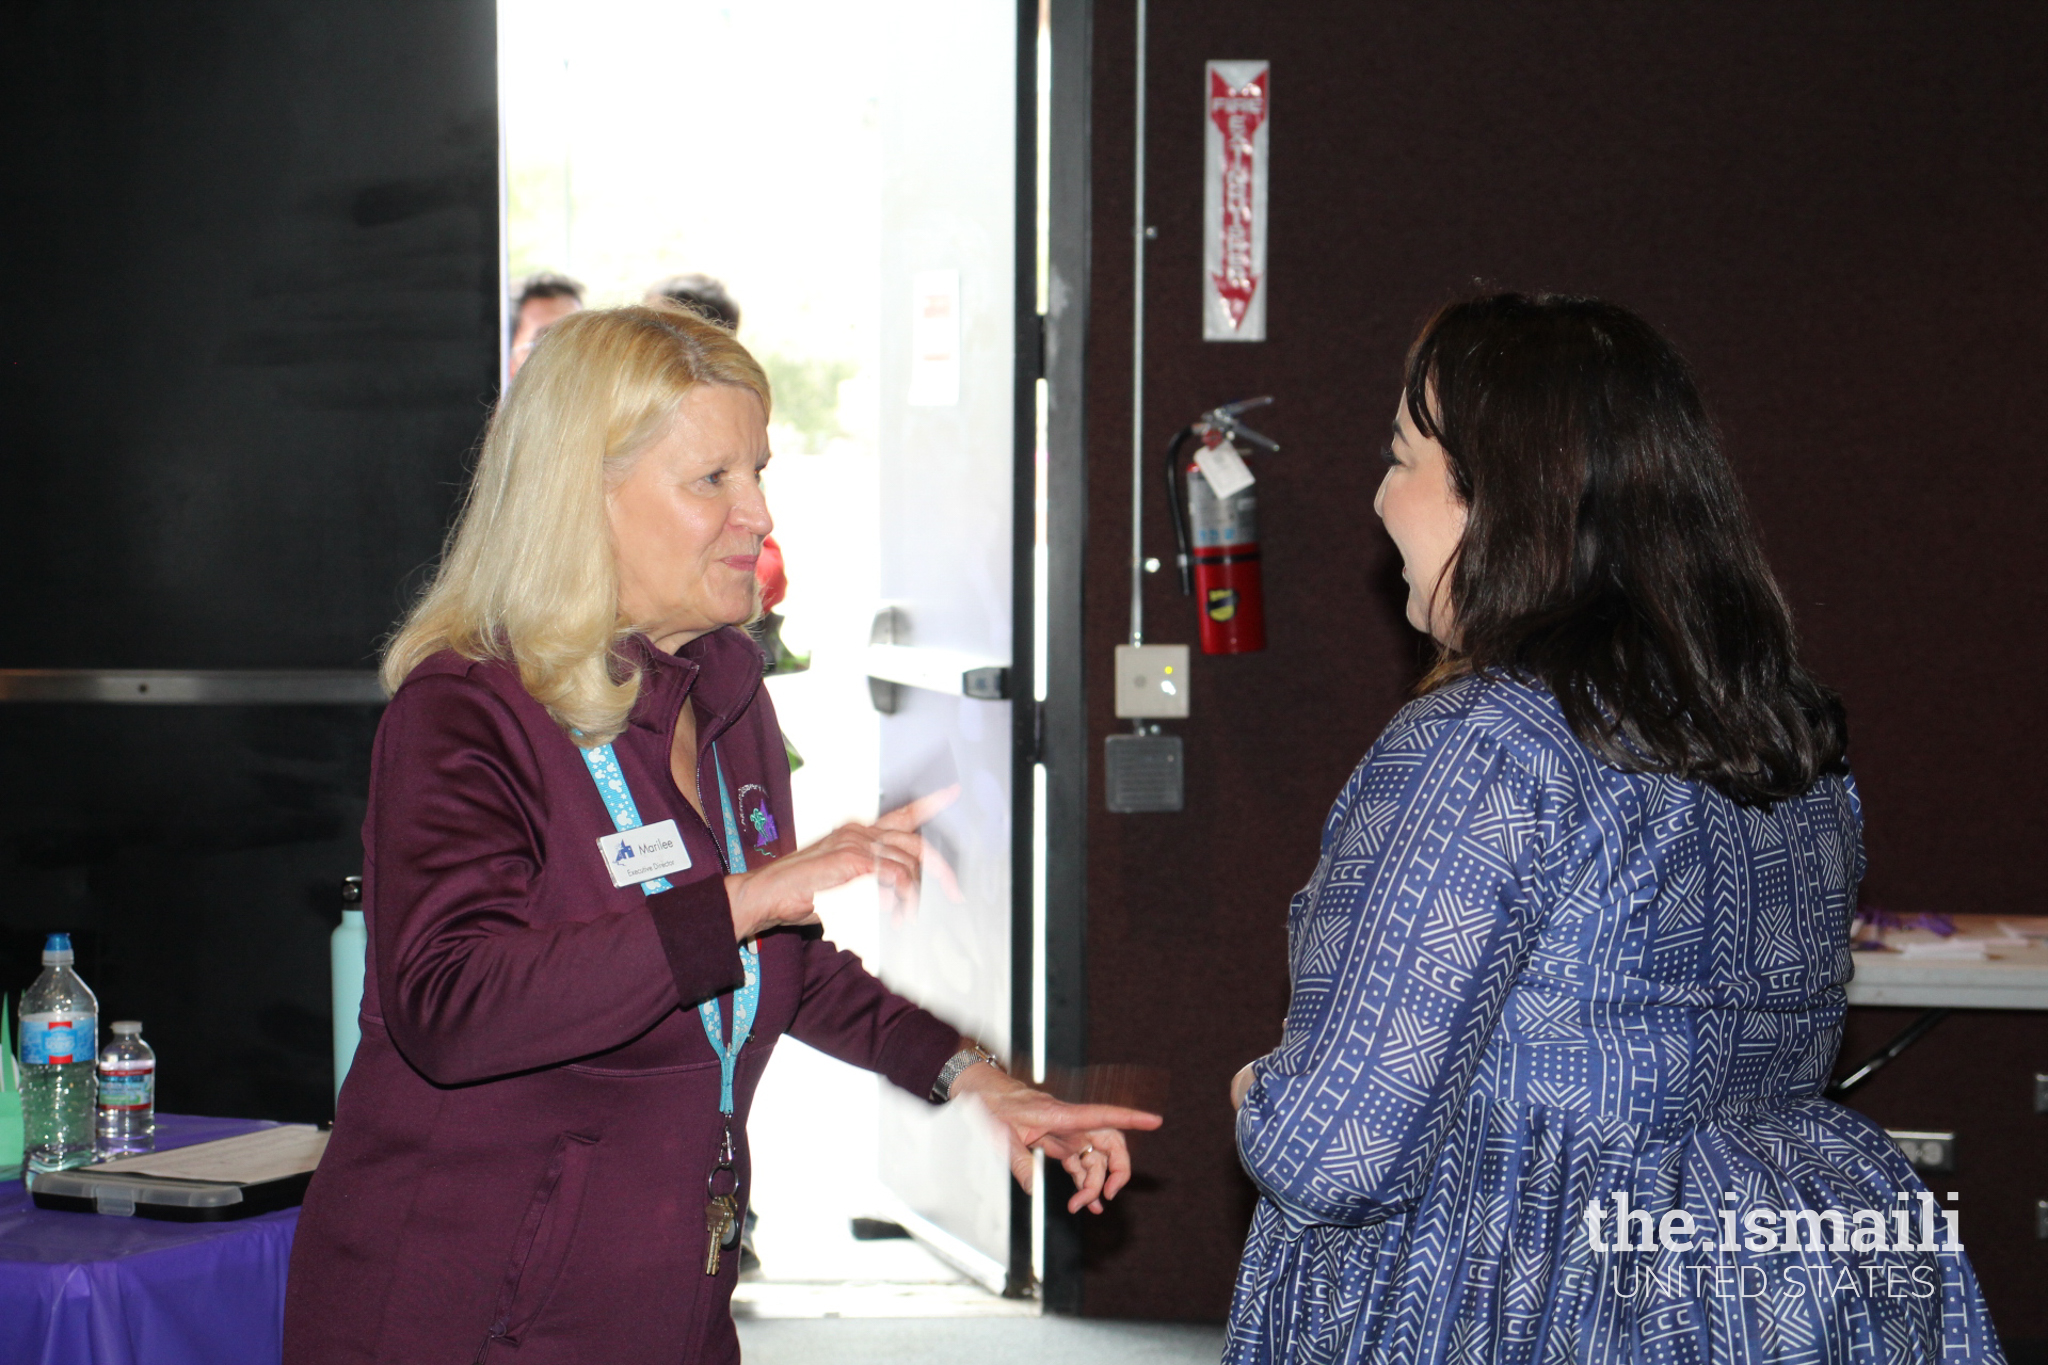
207	1182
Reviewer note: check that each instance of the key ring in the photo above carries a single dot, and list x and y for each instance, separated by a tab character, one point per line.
725	1164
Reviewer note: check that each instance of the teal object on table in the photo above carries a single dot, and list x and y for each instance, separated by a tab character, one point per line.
10	1098
347	951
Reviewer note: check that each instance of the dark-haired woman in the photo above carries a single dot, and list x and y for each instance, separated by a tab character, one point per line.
1567	980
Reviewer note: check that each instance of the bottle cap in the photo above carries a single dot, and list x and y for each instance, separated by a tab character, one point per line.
57	950
352	893
126	1028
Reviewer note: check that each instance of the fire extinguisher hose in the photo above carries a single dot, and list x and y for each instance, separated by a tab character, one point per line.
1177	508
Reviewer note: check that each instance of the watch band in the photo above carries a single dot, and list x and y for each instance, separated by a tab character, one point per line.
942	1088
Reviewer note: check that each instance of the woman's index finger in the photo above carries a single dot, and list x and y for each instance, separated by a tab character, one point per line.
1080	1116
914	814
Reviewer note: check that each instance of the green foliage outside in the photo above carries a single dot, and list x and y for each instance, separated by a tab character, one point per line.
542	216
807	396
537	217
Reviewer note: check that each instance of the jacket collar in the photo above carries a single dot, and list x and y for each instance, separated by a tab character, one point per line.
722	670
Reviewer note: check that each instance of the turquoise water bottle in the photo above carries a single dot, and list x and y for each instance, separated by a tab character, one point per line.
346	952
10	1099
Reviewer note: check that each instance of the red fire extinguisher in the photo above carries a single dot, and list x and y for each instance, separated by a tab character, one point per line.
1218	537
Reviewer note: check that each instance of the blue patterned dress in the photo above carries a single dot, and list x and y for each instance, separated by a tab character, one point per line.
1525	982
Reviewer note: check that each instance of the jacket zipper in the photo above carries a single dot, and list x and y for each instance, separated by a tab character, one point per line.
703	818
700	810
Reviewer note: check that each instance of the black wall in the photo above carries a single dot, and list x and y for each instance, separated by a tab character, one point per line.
1838	213
250	333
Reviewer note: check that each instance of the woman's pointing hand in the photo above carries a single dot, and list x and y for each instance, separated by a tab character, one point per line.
785	891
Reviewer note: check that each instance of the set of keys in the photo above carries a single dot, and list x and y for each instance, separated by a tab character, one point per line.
721	1225
721	1210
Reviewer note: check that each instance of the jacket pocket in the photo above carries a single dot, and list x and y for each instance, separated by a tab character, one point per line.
541	1248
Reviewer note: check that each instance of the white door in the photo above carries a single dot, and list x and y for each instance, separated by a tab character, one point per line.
949	452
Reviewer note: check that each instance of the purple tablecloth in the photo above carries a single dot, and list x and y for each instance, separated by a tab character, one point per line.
85	1289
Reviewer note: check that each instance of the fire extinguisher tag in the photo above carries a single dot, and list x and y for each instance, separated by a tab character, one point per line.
1224	468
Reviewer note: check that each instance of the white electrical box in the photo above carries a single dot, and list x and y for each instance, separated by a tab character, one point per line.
1151	682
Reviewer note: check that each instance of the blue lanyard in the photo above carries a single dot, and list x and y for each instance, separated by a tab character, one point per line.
618	799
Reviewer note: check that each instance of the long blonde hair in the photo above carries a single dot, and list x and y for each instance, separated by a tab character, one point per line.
528	573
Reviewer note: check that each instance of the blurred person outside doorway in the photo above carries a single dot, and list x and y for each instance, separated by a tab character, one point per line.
702	295
544	299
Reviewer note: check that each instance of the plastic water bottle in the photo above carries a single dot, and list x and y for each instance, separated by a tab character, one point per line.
127	1103
59	1043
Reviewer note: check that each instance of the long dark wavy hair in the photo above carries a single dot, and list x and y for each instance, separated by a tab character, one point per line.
1608	553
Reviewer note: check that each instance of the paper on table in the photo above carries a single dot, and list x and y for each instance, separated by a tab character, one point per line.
1948	950
271	1154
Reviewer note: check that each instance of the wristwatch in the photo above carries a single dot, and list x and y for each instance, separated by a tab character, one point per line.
942	1088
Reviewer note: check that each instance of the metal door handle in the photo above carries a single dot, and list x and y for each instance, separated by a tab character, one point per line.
893	665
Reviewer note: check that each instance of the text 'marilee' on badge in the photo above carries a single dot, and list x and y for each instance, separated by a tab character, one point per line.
640	855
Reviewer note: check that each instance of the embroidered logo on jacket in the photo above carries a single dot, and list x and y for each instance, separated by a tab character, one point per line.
759	818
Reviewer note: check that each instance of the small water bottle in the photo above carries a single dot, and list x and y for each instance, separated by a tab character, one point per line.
127	1103
59	1044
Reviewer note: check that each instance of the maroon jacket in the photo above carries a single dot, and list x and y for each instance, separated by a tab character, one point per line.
519	1155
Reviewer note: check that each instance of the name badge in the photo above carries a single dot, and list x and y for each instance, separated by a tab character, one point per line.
640	855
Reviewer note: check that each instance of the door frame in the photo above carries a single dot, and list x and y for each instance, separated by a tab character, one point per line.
1054	732
1024	721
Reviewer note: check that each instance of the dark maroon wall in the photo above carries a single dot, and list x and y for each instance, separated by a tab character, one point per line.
1839	213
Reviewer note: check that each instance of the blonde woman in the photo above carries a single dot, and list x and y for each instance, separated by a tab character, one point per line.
588	922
